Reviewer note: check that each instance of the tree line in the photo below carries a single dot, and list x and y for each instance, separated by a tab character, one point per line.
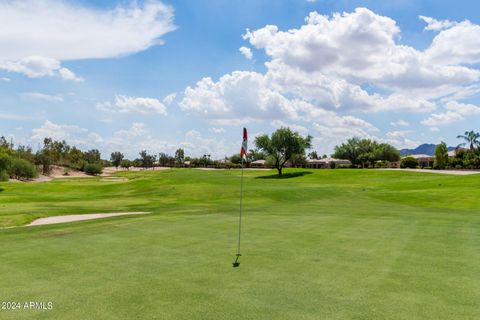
466	156
282	147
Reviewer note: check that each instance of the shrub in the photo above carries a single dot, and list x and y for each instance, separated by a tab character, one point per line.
472	162
5	162
4	175
93	168
22	169
409	162
456	163
382	164
126	164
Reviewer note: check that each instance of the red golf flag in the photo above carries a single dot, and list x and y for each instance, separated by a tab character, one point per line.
243	151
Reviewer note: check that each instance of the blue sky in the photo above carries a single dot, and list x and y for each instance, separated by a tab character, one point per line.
124	75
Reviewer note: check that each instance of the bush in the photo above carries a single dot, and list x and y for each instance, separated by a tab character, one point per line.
126	164
93	168
382	164
5	162
4	175
22	169
409	162
472	162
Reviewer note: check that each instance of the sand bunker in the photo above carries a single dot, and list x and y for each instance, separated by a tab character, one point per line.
78	217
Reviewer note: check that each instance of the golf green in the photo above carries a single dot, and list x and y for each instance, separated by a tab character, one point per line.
317	244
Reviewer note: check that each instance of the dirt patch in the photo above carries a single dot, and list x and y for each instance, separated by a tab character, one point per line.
61	172
107	171
78	217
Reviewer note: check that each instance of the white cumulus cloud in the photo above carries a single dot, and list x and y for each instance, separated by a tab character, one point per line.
362	47
329	70
400	139
239	95
399	123
69	75
454	111
38	96
139	105
56	131
247	52
36	35
217	130
170	98
435	25
447	117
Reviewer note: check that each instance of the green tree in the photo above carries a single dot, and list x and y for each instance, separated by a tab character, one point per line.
126	164
386	152
364	152
235	158
313	155
254	155
282	146
92	156
137	163
76	158
43	158
205	160
471	138
163	159
116	158
298	160
5	146
179	157
56	150
441	156
25	153
349	150
148	160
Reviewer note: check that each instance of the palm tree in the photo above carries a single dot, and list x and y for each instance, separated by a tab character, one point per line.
471	138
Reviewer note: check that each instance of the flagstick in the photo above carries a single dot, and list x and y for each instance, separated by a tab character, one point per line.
236	263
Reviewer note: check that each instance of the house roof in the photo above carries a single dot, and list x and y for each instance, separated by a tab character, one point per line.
326	160
420	156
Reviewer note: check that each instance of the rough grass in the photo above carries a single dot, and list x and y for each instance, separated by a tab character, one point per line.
333	244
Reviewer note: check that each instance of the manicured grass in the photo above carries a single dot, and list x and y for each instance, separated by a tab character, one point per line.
322	244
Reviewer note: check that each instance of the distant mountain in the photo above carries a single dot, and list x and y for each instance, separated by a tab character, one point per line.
426	148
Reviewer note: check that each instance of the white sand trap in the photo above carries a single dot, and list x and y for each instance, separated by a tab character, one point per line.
78	217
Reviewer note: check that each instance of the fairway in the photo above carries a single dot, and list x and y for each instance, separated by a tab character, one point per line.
318	244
